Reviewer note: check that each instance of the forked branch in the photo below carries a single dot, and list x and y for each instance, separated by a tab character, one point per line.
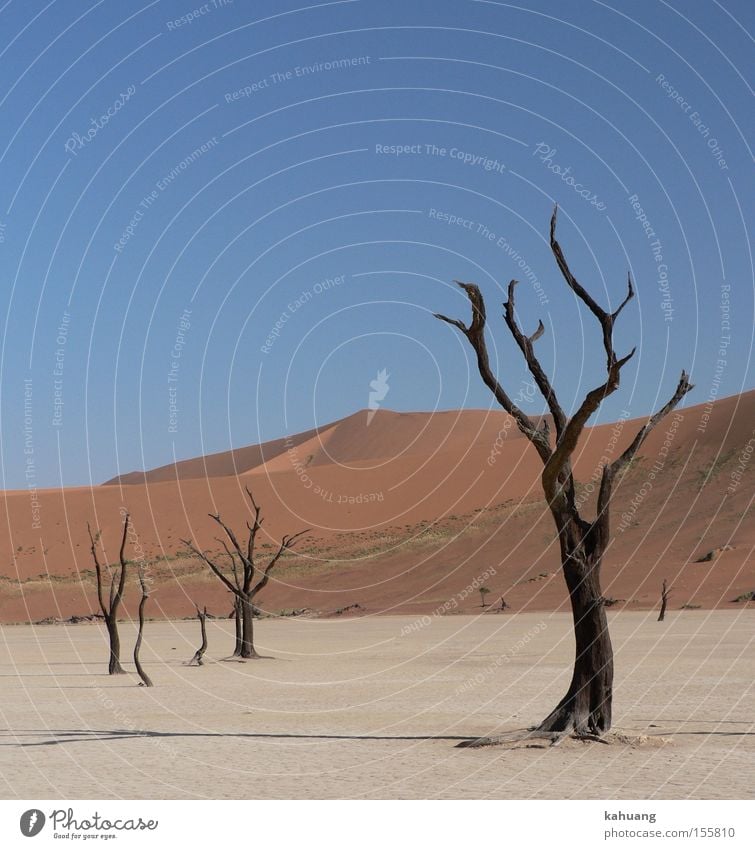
475	334
612	470
526	346
606	319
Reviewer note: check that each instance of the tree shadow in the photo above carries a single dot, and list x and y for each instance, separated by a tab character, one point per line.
58	737
63	736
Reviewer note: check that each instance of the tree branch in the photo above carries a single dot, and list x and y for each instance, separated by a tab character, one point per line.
606	319
202	556
475	334
232	558
525	344
230	534
98	571
682	388
287	543
115	602
253	528
612	470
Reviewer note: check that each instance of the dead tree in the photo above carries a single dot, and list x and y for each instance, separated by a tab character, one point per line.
237	626
146	680
665	593
110	607
244	569
199	653
585	709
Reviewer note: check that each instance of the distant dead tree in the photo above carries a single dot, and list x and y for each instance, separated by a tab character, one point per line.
146	680
665	593
585	709
199	653
244	569
238	628
110	607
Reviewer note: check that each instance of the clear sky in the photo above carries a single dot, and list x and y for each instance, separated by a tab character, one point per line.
240	213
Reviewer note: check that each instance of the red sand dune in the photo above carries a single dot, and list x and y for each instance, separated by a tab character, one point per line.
406	511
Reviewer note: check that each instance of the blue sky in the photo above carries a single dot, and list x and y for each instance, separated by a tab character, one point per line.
208	199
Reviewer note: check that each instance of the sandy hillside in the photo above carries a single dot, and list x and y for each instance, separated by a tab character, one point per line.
372	708
406	511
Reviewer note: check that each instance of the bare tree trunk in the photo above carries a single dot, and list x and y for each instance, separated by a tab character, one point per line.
247	622
665	593
239	628
110	606
199	653
586	707
138	645
585	710
114	667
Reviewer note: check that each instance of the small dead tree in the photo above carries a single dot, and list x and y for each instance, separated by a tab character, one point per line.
244	569
199	653
665	594
146	680
585	709
110	607
239	632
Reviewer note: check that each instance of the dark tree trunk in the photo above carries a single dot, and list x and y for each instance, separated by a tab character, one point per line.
146	680
199	653
665	592
239	627
114	667
586	707
247	627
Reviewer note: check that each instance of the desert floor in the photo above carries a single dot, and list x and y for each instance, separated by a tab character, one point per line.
373	708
